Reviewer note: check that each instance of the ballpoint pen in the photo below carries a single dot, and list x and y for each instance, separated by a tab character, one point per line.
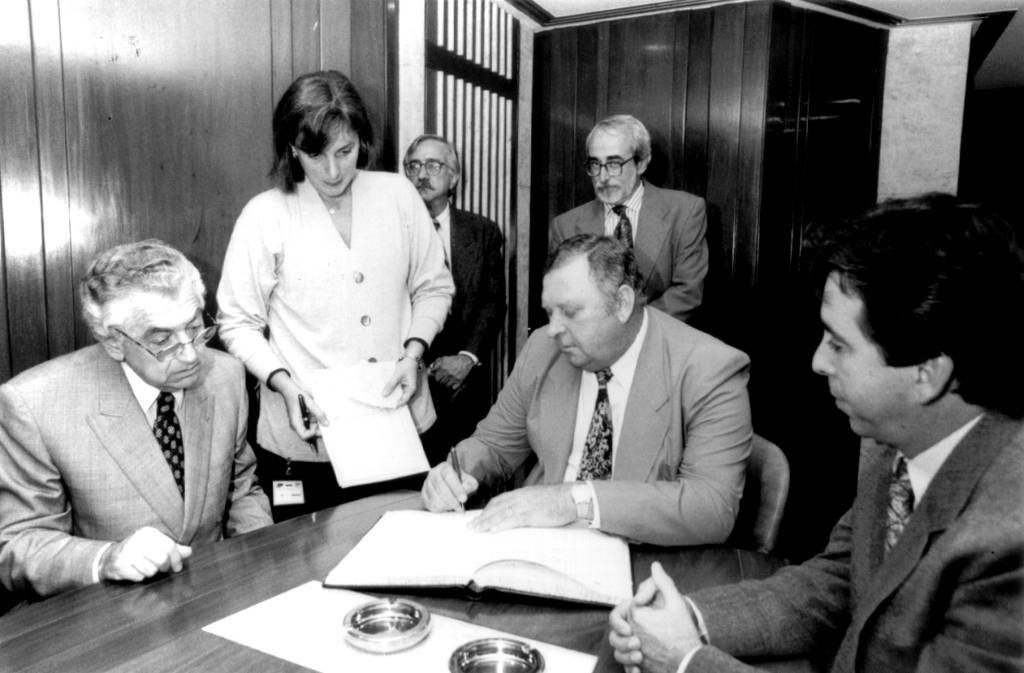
458	471
304	410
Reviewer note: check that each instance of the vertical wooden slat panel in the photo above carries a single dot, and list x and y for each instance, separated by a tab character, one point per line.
61	285
305	36
751	143
637	85
336	35
369	72
591	93
24	321
674	176
282	72
698	91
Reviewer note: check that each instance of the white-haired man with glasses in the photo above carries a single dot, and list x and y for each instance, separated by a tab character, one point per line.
117	459
665	228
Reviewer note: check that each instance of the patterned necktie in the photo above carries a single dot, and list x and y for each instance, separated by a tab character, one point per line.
623	230
437	228
901	503
597	451
168	436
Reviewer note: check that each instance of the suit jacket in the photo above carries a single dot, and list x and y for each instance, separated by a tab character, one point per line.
79	467
680	458
949	596
670	248
478	308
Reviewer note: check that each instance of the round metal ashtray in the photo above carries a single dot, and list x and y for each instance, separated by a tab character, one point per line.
387	625
496	655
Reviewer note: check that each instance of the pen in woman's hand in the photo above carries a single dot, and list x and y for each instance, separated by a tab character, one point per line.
304	410
458	471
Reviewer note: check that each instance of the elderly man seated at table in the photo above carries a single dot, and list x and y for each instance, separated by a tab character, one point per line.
921	347
639	423
117	459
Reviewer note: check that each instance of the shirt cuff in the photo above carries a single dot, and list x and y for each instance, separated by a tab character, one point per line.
472	357
96	563
596	521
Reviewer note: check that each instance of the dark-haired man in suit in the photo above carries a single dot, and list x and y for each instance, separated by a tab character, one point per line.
117	459
458	359
664	227
921	308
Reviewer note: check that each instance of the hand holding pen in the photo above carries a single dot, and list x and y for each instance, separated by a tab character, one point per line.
458	473
304	410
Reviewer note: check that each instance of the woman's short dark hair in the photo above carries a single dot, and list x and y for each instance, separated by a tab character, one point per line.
937	276
309	115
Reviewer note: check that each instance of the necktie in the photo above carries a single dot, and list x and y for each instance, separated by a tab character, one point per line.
901	503
437	228
623	230
596	462
168	436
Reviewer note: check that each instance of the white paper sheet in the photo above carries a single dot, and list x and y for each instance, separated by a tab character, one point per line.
368	439
304	626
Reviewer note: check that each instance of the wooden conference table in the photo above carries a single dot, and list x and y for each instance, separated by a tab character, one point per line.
157	625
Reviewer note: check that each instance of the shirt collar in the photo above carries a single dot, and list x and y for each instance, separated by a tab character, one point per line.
633	203
146	394
624	368
444	218
923	467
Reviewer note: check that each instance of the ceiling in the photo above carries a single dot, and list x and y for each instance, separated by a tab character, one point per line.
1003	66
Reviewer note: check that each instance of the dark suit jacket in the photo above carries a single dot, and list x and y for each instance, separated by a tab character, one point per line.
476	317
670	248
949	596
79	467
682	451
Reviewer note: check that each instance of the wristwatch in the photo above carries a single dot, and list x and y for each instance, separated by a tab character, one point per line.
582	496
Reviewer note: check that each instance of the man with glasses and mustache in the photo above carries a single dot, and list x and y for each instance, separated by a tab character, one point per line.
664	228
460	382
117	459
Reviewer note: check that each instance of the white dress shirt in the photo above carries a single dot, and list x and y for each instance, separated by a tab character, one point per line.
633	203
618	394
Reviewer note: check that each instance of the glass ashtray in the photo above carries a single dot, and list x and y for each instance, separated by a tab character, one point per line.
387	625
496	655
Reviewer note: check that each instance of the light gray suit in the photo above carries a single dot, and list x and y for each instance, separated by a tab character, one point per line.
681	455
79	467
948	597
670	248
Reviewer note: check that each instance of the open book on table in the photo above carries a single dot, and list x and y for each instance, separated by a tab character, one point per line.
427	549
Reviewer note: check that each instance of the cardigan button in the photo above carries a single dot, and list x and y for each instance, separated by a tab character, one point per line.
358	277
365	320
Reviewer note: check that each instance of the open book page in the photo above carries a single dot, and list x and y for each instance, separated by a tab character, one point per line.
409	548
368	439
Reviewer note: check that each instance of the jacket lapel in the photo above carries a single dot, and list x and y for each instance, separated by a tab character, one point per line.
120	426
464	251
592	221
945	498
562	393
652	232
646	421
197	432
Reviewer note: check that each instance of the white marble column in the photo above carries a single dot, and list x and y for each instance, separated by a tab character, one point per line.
923	109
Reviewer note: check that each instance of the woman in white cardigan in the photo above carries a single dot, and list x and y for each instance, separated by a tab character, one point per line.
336	265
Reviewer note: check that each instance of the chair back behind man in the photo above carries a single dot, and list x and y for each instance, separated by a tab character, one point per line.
764	498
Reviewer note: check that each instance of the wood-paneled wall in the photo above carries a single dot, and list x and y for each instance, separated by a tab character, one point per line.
125	119
770	113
